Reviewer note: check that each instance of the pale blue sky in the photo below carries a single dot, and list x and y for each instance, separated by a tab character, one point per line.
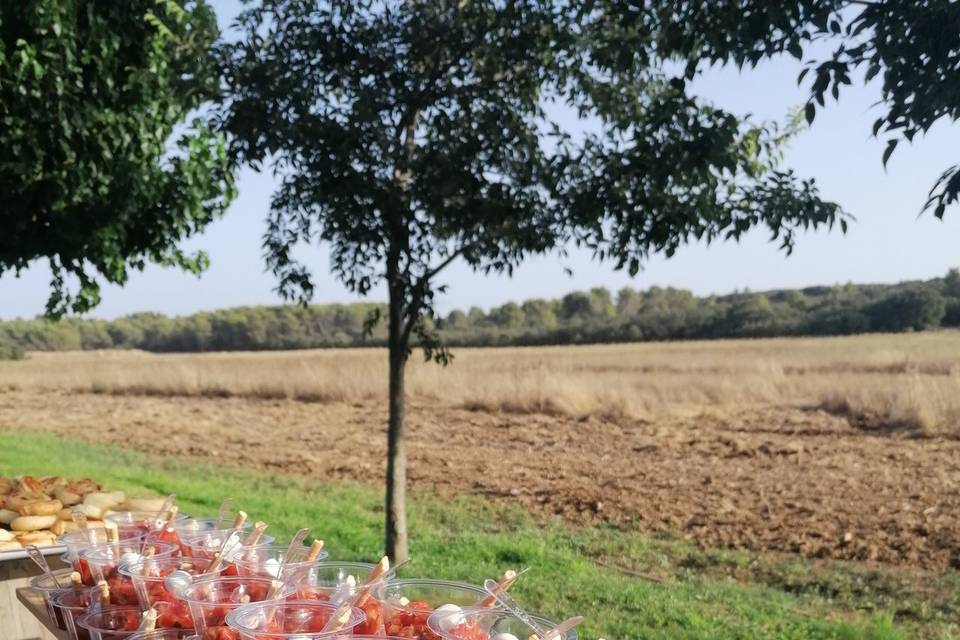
888	242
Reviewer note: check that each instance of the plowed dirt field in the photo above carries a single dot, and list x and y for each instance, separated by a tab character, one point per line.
759	477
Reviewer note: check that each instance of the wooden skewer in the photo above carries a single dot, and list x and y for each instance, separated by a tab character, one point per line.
215	564
148	560
342	615
148	621
171	516
364	592
76	581
276	588
113	536
218	559
509	577
315	550
104	592
258	528
559	632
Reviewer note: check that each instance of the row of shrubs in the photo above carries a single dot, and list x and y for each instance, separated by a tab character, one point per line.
579	317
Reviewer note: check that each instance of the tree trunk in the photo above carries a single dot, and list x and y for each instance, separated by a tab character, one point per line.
396	546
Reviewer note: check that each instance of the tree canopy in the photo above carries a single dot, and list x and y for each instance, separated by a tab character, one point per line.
580	317
410	134
912	46
91	94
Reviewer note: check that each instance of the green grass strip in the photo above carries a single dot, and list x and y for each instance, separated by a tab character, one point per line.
470	538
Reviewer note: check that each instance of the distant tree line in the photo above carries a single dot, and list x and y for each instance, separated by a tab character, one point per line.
578	317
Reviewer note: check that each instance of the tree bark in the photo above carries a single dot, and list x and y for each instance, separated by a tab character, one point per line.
396	544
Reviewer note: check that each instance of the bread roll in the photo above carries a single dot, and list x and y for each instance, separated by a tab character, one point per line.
41	508
101	500
7	516
10	546
67	497
92	512
39	538
6	536
61	527
33	523
141	504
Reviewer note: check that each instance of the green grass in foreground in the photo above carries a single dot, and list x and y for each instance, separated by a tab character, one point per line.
661	588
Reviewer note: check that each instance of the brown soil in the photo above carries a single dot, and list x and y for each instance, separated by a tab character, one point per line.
763	478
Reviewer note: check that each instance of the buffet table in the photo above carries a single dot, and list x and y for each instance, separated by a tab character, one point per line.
22	613
32	602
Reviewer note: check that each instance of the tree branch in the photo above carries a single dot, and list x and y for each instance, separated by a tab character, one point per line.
420	288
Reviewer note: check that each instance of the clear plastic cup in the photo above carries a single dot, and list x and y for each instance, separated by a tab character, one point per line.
265	560
338	580
47	588
104	564
142	521
207	543
68	605
164	536
108	623
149	578
211	599
303	619
410	620
77	541
129	544
485	624
190	526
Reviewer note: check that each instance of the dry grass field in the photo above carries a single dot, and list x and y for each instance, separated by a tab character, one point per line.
831	447
909	381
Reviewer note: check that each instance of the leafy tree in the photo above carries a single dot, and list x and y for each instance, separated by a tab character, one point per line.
629	302
951	283
601	303
951	313
456	319
916	308
409	135
576	305
912	45
508	316
539	315
90	95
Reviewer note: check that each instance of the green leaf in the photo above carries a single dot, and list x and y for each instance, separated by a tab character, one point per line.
891	145
809	112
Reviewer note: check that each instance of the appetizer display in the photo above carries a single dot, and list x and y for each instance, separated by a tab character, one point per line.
162	576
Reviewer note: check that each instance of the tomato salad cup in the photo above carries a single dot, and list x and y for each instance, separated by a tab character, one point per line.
211	599
70	604
77	541
207	543
47	588
336	581
128	544
108	623
300	619
266	560
407	604
104	564
471	623
155	588
192	526
142	522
